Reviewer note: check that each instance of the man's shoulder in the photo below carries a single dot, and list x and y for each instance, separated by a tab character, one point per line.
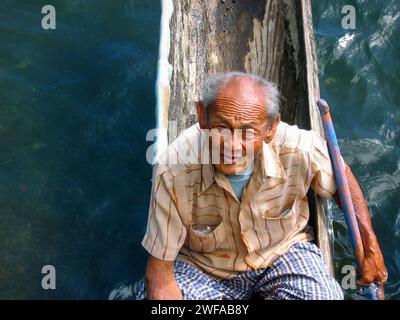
292	137
183	154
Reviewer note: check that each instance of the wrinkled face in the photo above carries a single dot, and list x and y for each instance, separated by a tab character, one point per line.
238	124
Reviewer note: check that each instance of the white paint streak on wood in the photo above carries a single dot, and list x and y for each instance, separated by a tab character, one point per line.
164	71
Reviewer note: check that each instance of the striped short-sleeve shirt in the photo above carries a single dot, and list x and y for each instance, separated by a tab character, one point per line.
195	217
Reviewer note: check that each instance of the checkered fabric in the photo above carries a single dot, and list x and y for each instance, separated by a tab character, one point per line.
300	274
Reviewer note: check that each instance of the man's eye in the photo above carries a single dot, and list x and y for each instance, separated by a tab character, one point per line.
249	133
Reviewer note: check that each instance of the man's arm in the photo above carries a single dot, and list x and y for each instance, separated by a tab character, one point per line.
165	235
323	183
160	280
373	269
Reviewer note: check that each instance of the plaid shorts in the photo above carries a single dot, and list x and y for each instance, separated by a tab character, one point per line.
300	274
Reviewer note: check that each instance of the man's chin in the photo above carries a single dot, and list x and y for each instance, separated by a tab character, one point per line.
230	169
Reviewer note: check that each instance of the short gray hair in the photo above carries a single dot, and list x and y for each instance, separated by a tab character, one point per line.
215	82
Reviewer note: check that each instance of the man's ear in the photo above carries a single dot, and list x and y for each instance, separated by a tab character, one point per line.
271	130
201	114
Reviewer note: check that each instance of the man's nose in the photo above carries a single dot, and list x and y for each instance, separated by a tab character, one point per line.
235	143
237	139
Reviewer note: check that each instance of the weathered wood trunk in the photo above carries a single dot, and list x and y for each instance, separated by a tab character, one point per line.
270	38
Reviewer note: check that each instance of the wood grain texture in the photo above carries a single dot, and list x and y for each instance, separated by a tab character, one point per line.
320	210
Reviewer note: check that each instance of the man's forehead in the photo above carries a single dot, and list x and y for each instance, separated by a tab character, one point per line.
239	103
249	120
243	101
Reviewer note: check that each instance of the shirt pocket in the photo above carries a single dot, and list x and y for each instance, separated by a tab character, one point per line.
206	237
279	227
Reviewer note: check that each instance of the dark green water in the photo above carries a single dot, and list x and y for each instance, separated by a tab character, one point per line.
77	102
360	79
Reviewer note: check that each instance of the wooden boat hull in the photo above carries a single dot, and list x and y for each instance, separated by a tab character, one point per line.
271	38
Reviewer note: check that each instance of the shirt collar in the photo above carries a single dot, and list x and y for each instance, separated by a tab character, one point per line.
271	165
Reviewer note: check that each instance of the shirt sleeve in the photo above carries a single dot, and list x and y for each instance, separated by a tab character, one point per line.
165	232
323	182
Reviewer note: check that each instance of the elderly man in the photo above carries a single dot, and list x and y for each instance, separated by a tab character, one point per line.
235	223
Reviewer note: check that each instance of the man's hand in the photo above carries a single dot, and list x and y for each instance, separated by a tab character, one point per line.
160	280
169	291
373	267
374	270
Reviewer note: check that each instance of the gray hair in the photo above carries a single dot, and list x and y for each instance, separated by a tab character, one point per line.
215	82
